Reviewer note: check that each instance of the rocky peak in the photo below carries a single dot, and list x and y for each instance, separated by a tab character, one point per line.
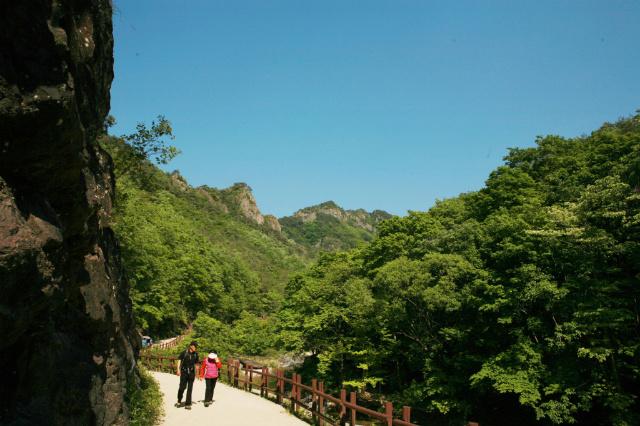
238	200
328	227
359	218
272	222
179	181
248	205
209	197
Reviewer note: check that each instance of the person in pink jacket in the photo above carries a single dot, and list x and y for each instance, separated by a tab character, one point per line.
210	370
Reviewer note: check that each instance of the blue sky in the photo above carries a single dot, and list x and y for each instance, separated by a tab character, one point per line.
384	105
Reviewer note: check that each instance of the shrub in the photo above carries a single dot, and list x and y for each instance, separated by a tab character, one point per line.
144	400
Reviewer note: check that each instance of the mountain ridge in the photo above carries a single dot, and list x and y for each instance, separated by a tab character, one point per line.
166	227
314	227
329	227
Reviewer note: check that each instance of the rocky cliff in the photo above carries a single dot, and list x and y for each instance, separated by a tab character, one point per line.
239	200
67	335
328	227
248	206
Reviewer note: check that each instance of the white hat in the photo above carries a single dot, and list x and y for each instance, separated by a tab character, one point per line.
213	355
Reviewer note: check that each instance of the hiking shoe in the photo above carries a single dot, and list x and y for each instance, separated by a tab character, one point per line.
188	407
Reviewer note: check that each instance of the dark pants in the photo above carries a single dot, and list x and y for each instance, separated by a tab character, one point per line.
211	385
186	382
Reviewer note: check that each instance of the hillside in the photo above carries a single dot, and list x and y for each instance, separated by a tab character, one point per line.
190	250
328	227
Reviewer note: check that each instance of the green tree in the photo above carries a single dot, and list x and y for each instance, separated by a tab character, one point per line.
518	302
131	152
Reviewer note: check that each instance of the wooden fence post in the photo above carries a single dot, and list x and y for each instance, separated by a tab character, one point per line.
299	388
293	393
250	378
321	403
280	385
406	414
352	412
389	413
262	383
314	400
343	407
266	381
293	377
244	379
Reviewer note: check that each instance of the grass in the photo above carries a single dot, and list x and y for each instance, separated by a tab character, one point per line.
144	400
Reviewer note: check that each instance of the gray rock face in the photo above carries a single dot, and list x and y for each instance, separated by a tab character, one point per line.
67	334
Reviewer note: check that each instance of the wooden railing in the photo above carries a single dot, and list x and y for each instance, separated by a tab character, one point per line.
166	364
166	344
274	385
320	401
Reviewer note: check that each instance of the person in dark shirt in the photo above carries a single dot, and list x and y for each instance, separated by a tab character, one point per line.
187	372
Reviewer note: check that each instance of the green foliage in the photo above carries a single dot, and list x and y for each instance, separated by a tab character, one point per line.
522	295
248	335
182	252
254	335
518	301
181	261
329	311
144	400
133	151
212	333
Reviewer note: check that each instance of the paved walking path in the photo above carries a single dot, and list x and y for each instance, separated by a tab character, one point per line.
231	407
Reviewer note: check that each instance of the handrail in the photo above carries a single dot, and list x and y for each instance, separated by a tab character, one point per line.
318	410
164	345
319	399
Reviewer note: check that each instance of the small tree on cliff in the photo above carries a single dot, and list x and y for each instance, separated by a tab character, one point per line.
131	152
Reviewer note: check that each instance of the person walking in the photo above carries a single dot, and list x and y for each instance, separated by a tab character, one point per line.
187	372
210	370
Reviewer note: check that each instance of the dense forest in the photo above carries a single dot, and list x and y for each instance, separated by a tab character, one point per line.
513	304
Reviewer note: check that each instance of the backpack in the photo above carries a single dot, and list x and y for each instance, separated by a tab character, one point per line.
189	368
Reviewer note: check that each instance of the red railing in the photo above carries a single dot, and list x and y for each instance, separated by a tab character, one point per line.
166	364
320	401
292	392
165	344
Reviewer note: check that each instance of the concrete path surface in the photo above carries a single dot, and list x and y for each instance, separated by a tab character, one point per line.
231	407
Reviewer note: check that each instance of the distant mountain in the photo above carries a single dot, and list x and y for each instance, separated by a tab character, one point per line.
328	227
